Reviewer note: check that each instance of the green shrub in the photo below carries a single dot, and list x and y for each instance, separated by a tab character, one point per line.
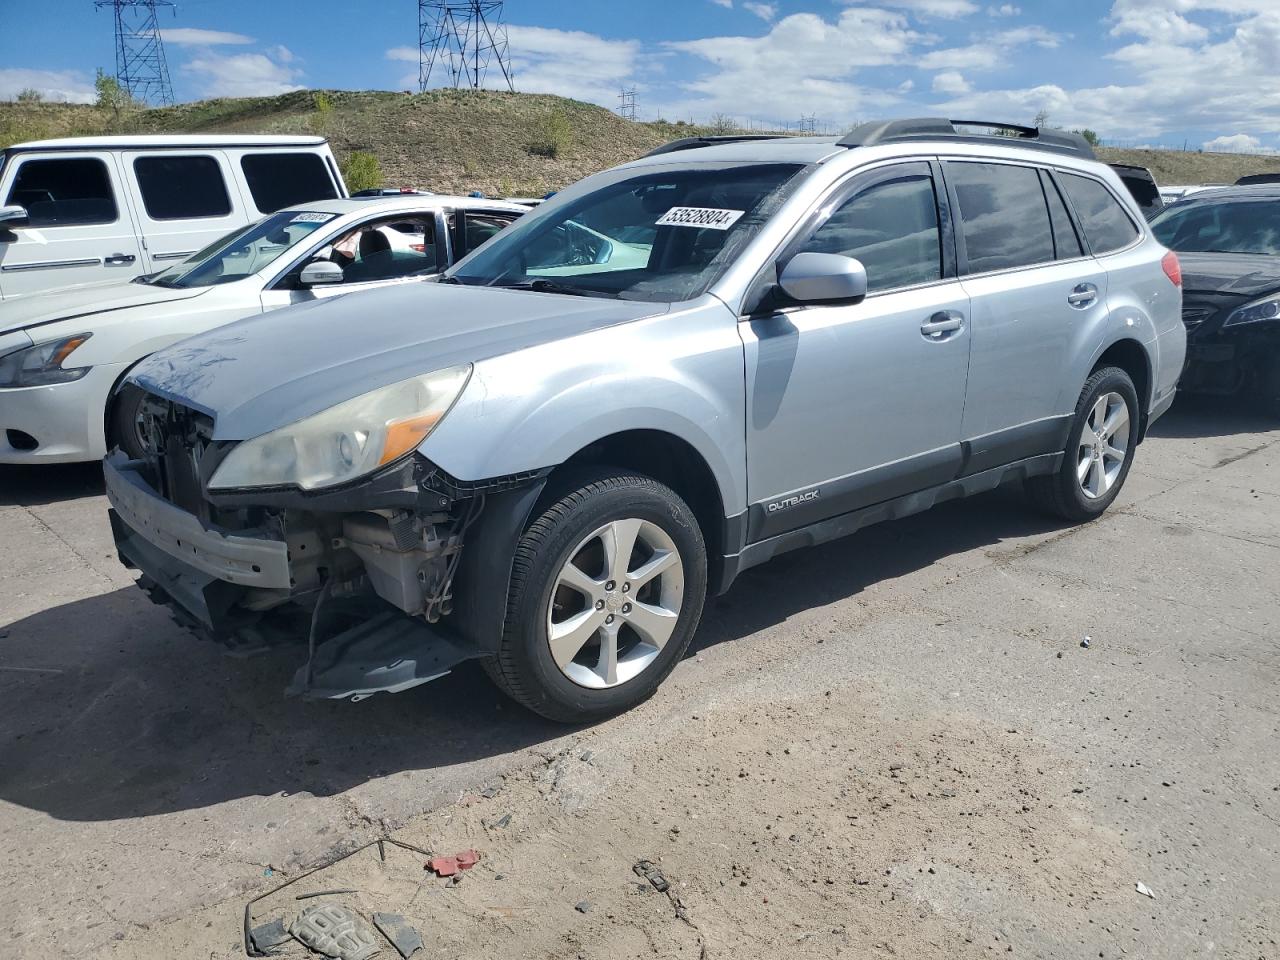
361	171
554	137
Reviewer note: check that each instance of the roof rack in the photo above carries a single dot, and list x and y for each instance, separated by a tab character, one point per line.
936	128
693	143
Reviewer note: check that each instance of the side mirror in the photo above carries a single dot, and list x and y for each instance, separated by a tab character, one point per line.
823	278
320	273
11	217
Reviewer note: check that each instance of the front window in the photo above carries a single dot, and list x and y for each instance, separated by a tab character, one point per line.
244	252
1222	226
660	236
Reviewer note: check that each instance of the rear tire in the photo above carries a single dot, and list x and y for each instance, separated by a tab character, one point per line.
590	632
1099	452
123	429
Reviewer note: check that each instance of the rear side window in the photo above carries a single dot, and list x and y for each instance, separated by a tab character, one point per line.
1065	241
1105	223
892	227
1003	216
182	188
70	191
279	180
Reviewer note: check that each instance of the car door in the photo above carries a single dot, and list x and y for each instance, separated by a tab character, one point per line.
80	227
376	252
472	227
1031	286
185	201
853	404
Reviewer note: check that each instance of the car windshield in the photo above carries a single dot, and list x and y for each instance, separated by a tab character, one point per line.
1221	226
243	252
659	235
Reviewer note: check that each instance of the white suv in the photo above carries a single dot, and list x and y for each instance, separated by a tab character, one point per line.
89	209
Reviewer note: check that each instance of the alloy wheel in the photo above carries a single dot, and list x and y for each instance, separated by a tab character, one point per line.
615	603
1104	446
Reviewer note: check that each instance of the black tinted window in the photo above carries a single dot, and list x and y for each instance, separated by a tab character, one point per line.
1232	226
182	188
1002	215
1106	226
892	228
1065	240
279	180
74	191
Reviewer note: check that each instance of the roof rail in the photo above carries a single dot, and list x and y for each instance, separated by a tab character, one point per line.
936	128
693	143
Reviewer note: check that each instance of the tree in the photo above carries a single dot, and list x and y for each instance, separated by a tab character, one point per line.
110	94
1041	118
30	95
722	124
323	120
361	171
1089	135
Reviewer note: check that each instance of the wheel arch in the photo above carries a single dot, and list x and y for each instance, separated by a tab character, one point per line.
1131	357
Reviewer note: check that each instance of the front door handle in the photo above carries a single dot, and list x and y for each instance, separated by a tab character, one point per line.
942	323
1084	295
119	258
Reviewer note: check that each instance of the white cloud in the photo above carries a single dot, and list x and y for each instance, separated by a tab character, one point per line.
1004	10
906	86
243	74
943	9
765	11
727	4
1236	143
989	53
570	63
195	37
63	86
951	83
407	54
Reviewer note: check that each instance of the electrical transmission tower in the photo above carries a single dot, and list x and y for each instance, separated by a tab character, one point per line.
627	103
465	39
141	69
809	124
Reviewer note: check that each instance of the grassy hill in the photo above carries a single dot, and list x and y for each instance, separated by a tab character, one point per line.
456	141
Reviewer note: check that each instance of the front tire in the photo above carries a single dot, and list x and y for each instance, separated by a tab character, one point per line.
1099	450
607	588
124	430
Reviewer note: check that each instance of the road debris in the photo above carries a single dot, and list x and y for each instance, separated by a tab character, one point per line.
1086	641
1143	889
335	931
449	866
499	823
583	906
270	938
403	937
649	871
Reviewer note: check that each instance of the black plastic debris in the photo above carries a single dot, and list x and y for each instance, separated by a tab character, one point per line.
269	939
403	937
649	871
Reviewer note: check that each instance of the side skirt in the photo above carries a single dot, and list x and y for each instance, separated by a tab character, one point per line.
755	554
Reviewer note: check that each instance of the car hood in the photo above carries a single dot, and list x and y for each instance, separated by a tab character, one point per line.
23	313
1235	274
270	370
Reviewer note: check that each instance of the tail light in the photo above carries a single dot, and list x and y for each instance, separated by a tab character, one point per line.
1172	268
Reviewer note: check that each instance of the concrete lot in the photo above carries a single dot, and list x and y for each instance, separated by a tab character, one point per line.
906	716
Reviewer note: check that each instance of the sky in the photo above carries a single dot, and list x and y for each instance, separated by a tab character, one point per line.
1200	72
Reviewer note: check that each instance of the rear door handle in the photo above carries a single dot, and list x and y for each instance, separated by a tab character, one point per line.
119	258
941	324
1084	295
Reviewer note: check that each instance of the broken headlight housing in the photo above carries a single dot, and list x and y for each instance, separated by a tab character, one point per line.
1256	312
41	364
346	441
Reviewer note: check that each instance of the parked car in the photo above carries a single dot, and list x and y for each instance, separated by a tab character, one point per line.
62	354
1142	185
1255	179
1169	194
547	459
1229	243
91	209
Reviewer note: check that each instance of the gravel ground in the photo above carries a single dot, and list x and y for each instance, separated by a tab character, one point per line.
890	745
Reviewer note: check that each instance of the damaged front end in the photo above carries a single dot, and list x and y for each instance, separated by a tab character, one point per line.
363	575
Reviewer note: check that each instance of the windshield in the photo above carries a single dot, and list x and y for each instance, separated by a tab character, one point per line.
660	236
1221	226
243	252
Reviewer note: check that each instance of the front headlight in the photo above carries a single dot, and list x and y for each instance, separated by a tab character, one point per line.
41	365
347	441
1259	310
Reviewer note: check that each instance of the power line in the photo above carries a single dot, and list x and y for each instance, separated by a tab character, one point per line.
465	39
627	103
141	69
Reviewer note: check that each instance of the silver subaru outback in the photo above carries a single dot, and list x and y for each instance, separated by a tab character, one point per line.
672	371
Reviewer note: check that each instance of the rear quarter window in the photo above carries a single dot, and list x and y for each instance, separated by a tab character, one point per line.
1106	224
279	180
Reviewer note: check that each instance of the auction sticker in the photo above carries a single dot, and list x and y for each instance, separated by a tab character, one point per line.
705	218
313	217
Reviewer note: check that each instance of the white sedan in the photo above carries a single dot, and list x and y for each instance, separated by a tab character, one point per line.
62	354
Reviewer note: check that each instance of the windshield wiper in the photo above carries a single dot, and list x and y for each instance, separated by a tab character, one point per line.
543	285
